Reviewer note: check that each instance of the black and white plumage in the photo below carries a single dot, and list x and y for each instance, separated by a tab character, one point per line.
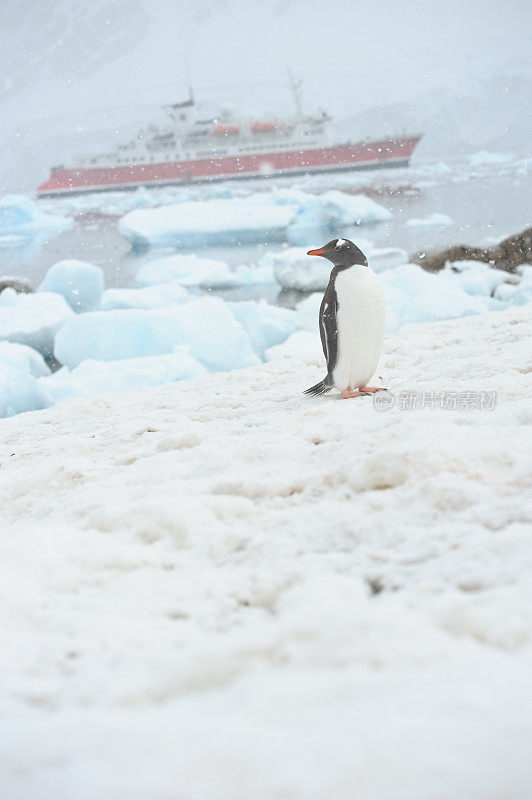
351	320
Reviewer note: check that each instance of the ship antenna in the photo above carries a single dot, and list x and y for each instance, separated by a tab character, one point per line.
191	95
295	85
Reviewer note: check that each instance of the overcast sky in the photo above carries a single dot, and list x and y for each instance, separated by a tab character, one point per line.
348	52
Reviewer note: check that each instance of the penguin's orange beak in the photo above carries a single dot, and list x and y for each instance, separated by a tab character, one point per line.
319	252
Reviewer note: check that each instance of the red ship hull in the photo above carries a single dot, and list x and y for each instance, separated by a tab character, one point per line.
369	155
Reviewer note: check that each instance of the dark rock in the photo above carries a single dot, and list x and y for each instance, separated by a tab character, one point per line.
18	286
506	255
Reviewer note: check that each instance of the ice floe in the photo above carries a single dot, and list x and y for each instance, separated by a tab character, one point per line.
206	273
80	283
157	296
21	219
32	319
431	219
281	215
193	224
20	366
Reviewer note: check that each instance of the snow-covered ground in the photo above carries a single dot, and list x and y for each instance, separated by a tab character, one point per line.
222	590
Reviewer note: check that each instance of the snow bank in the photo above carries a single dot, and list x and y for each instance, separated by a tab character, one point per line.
431	219
21	217
80	283
192	224
312	598
207	273
32	319
96	377
215	338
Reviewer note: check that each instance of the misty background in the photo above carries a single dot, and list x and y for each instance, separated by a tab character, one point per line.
81	76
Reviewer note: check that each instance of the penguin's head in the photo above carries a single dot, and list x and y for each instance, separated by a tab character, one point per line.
342	253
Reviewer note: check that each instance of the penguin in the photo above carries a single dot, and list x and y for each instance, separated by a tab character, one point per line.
351	321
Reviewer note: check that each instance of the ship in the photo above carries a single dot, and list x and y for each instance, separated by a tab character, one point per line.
190	150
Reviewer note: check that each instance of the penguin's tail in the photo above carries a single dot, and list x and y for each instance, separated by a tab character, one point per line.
322	387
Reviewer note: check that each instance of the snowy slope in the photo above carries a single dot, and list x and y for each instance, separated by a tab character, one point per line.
225	590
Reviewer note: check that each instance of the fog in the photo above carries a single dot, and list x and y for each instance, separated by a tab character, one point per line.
78	75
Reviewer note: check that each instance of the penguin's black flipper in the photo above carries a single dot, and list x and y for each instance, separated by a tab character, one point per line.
322	387
329	325
329	338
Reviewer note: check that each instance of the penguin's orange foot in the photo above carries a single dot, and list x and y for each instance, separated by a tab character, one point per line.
348	393
373	389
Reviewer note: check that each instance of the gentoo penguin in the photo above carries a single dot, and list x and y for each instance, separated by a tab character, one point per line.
351	321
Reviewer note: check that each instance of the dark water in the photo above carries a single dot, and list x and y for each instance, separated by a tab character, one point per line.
484	205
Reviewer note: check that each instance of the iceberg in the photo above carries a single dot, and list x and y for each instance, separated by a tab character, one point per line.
294	269
283	214
414	295
411	295
80	283
381	258
21	218
23	358
206	273
207	325
308	311
159	296
200	223
265	324
523	292
20	392
33	319
302	345
329	213
476	277
20	366
96	377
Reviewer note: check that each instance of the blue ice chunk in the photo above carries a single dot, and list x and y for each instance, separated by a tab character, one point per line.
266	325
207	325
80	283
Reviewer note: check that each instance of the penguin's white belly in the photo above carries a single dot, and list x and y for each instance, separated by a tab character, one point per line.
360	326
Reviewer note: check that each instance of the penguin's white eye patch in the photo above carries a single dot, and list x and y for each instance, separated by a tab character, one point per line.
340	243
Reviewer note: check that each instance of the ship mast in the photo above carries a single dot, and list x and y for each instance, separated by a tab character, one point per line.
295	85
